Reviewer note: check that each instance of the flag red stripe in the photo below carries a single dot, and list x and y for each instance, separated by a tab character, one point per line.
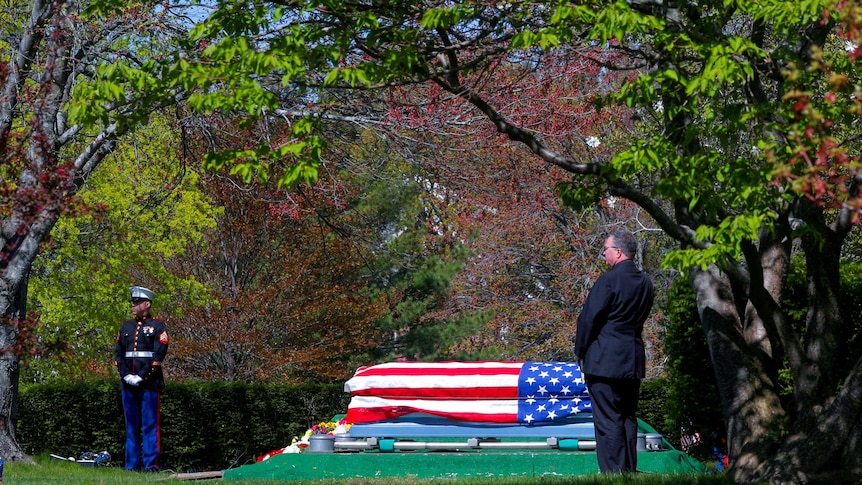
496	392
440	368
365	409
437	380
367	415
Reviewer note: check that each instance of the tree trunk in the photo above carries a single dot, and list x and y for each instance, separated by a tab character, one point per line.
9	449
48	49
815	449
751	406
768	438
16	309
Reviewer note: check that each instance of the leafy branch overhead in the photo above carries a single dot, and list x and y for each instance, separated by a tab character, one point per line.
708	76
732	124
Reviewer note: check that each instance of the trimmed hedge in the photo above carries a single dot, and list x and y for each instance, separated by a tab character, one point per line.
205	425
653	408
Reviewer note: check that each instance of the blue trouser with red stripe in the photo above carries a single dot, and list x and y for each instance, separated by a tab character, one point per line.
143	428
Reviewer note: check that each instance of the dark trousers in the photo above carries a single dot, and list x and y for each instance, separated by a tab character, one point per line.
143	428
614	403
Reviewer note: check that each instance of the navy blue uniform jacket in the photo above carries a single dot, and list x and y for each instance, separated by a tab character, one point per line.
609	341
149	338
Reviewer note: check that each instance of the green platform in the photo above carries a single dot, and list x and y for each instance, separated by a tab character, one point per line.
454	464
479	464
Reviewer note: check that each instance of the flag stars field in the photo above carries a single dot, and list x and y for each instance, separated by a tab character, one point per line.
560	388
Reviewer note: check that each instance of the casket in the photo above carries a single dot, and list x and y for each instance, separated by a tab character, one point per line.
404	405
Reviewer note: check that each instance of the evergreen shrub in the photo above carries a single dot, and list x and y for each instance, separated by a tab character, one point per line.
205	425
653	408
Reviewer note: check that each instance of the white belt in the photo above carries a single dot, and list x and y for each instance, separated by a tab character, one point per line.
130	355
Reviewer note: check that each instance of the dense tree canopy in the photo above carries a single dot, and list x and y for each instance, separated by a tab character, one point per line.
314	282
147	208
732	126
54	133
741	148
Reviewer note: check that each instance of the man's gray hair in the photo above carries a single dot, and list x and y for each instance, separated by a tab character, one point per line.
626	241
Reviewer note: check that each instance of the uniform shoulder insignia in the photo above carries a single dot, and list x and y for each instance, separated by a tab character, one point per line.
163	338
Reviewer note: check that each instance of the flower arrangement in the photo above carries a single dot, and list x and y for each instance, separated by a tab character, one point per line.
326	427
322	428
298	445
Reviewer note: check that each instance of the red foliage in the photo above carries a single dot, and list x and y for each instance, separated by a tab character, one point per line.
528	251
26	343
292	299
823	166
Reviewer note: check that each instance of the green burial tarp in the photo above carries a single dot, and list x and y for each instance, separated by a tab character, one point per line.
453	464
479	464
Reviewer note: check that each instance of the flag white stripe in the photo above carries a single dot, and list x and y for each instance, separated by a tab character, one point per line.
430	382
443	365
487	406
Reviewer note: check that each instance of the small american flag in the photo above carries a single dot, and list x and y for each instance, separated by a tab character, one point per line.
496	392
686	440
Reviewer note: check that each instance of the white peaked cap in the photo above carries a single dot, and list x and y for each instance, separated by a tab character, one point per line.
141	292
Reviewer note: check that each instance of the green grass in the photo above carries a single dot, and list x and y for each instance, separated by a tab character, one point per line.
47	471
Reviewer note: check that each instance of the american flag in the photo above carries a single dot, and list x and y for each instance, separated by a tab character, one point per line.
686	440
493	392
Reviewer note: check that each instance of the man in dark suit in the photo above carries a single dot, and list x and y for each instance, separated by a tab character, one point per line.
610	350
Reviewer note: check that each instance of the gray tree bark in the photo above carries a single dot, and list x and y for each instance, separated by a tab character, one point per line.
51	51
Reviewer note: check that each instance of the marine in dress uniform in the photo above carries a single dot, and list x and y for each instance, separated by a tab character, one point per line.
140	349
609	346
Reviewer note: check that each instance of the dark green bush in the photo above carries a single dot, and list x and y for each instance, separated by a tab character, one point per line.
653	408
205	425
692	392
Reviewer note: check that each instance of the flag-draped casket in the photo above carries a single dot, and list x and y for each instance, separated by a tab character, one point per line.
487	392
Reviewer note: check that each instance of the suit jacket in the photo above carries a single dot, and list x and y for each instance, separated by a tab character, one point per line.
609	340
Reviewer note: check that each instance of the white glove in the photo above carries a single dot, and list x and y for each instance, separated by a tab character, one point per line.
132	379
